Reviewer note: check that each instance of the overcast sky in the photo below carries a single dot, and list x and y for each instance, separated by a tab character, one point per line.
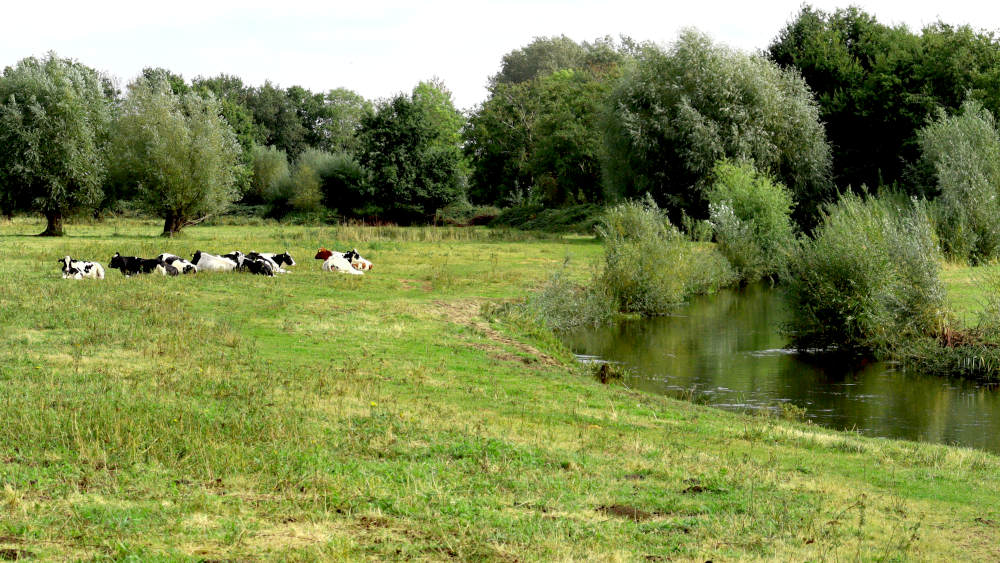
379	48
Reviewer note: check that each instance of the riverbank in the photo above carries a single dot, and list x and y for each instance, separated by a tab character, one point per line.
315	416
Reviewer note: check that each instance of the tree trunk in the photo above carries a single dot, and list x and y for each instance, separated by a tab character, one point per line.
172	225
55	225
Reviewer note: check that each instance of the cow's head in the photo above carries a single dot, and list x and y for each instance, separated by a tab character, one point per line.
323	254
117	261
196	257
283	258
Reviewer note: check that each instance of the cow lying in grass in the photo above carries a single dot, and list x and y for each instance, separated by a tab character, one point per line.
336	262
182	265
79	269
253	263
357	261
132	265
212	263
276	260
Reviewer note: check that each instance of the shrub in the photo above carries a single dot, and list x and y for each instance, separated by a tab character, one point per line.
560	304
649	266
964	153
751	215
535	217
461	213
270	169
868	279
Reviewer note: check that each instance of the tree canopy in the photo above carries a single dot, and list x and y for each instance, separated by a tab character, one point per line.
178	151
676	112
410	146
54	119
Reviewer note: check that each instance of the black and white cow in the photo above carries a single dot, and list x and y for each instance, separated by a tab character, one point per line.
237	257
131	265
274	260
212	263
165	269
356	260
278	260
256	264
79	269
181	264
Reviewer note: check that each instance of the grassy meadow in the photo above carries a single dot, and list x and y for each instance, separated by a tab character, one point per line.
317	416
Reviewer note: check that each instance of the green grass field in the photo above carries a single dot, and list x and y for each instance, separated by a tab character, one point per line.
316	416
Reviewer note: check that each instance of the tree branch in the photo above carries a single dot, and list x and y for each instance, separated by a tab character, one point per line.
195	221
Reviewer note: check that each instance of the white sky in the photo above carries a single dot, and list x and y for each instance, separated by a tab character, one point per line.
379	48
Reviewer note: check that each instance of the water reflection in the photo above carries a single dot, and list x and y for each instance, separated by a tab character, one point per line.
727	347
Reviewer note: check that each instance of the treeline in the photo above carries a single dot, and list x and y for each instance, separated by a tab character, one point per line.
838	102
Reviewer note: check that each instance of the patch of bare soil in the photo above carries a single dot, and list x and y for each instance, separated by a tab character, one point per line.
467	313
625	511
15	554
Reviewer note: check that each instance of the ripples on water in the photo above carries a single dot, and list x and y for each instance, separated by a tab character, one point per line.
725	350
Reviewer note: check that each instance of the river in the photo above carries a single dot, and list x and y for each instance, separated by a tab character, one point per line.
726	350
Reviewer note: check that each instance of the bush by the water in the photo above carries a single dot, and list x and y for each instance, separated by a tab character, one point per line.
867	281
649	266
963	153
561	304
751	214
968	352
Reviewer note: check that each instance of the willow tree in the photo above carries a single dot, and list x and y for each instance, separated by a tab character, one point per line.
181	154
676	112
54	119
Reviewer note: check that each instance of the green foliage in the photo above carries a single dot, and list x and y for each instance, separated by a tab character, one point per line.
54	119
270	169
751	215
536	137
560	304
867	281
337	130
461	213
876	84
178	151
649	266
963	151
570	219
409	146
277	118
675	113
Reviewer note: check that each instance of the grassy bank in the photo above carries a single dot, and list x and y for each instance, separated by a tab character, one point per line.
316	416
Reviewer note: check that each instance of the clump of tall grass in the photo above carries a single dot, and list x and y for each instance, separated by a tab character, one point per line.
560	304
867	281
649	266
971	353
751	215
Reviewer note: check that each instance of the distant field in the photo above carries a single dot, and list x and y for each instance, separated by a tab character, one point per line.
316	416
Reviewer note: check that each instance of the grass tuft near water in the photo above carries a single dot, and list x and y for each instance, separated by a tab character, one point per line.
315	417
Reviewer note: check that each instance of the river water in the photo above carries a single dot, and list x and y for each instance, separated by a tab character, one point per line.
726	350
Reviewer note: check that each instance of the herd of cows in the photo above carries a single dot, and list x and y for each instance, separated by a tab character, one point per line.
166	264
